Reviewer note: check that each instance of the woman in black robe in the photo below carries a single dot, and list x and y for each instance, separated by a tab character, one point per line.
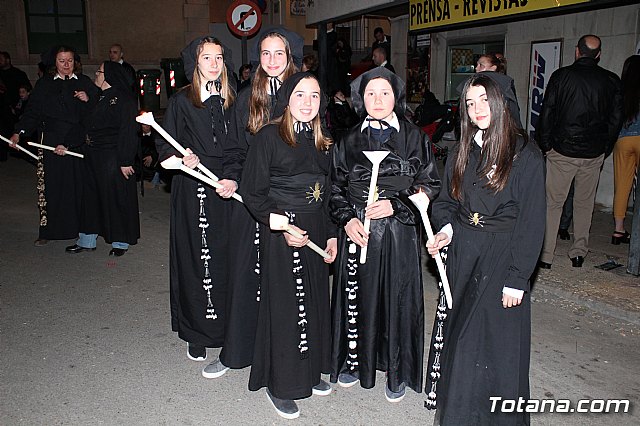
57	106
492	214
110	200
197	118
288	173
275	58
378	306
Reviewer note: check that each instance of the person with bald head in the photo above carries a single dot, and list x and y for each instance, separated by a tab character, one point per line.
116	54
579	124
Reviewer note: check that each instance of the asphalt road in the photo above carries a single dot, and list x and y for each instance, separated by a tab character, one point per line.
86	339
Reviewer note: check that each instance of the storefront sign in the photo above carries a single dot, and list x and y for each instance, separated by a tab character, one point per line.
425	14
545	59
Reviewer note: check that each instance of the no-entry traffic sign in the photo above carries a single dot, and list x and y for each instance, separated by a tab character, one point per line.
244	18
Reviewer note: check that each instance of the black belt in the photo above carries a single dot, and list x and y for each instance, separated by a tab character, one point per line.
505	221
300	193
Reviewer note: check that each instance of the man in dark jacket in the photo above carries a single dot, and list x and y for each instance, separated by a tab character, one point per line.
579	123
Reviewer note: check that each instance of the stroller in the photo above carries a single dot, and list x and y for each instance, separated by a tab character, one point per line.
436	120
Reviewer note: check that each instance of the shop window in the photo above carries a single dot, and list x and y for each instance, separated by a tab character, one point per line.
461	63
51	22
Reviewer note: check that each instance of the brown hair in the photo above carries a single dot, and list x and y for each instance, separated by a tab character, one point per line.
499	139
259	102
77	66
500	64
286	131
193	90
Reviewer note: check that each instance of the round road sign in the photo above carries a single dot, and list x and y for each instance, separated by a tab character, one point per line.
244	18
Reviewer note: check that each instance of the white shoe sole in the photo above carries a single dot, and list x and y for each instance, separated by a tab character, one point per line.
347	385
194	359
280	413
322	392
394	400
214	375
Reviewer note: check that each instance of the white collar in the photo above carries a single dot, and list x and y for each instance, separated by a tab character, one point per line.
393	122
146	134
58	76
121	61
478	138
383	64
204	93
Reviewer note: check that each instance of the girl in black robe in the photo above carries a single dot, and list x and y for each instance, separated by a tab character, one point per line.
110	200
197	118
492	210
275	58
58	104
378	306
288	173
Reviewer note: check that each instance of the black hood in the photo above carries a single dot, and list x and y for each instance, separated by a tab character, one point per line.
359	84
190	60
296	43
285	91
117	76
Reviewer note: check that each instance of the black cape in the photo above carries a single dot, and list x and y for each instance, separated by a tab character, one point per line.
199	223
480	349
386	297
58	117
293	329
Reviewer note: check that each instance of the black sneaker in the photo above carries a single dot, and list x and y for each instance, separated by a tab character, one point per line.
286	408
196	352
347	380
394	396
323	388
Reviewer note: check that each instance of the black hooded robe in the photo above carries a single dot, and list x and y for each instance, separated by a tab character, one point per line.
199	223
243	294
110	202
377	307
293	332
58	117
480	349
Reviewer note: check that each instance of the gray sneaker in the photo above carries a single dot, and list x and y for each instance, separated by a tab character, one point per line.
394	396
286	408
323	388
347	380
215	369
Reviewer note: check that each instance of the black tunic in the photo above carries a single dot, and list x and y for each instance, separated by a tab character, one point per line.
293	328
57	116
243	293
110	202
480	349
199	223
378	308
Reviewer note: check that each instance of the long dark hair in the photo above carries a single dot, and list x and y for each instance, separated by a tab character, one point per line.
499	139
260	103
631	88
226	91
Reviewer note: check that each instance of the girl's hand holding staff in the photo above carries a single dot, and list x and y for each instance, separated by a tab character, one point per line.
13	143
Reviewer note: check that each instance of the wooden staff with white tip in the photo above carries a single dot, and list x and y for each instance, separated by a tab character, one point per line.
26	151
50	148
376	158
147	118
278	222
421	201
175	163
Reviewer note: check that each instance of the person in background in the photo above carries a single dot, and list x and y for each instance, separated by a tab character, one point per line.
58	105
490	213
110	199
197	116
382	40
380	59
343	54
116	54
288	173
245	77
578	126
149	155
310	64
11	79
626	152
340	115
